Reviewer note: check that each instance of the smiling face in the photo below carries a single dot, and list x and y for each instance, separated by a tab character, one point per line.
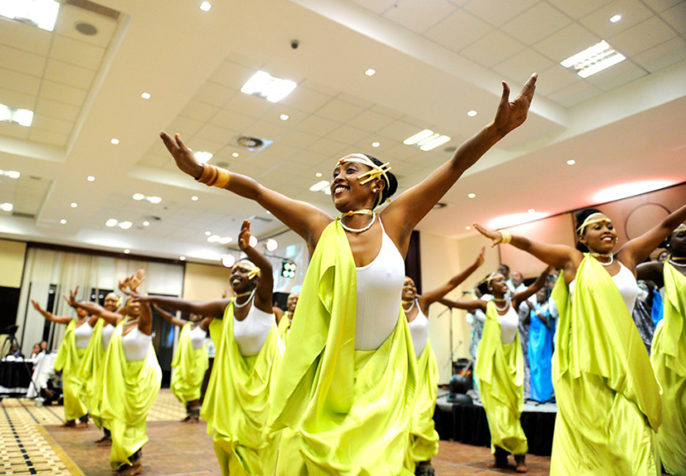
242	278
677	243
599	235
292	302
133	309
347	191
409	289
517	278
498	285
542	295
111	302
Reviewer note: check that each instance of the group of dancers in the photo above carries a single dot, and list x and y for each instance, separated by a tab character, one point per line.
346	384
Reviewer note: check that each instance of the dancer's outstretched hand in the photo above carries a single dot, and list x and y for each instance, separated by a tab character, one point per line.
495	236
36	306
512	114
244	236
481	258
185	160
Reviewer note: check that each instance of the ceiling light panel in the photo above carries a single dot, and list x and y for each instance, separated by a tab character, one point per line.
593	59
266	86
23	117
41	13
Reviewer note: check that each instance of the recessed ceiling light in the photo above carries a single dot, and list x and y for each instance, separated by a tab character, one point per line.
194	198
253	241
228	260
125	225
283	117
468	227
214	239
7	207
202	156
376	144
272	244
111	222
426	139
182	258
571	162
91	178
208	233
318	174
205	6
594	59
23	117
153	199
138	196
268	212
74	204
235	155
271	88
114	141
531	210
127	251
146	223
615	18
370	72
63	221
145	95
319	186
471	195
472	113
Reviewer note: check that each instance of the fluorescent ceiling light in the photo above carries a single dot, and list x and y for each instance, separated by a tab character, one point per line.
202	156
426	139
235	155
205	6
319	186
266	86
434	142
74	204
13	174
224	240
471	195
23	117
630	189
593	59
194	198
615	18
214	239
42	13
7	207
421	135
513	219
146	223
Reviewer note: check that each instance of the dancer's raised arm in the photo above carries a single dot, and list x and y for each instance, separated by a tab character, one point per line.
263	291
531	290
169	316
50	316
466	305
93	308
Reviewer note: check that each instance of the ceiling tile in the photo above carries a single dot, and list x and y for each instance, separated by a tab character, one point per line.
339	111
56	109
662	55
617	76
200	111
492	49
266	130
497	12
661	5
14	130
520	66
214	93
306	99
71	15
221	135
185	126
24	36
575	94
458	30
231	75
578	8
298	138
554	79
62	93
536	23
248	105
16	99
46	137
387	111
399	130
419	16
76	52
376	6
354	100
632	11
19	82
318	126
66	73
330	148
566	42
676	17
232	120
49	124
347	134
22	61
645	35
371	121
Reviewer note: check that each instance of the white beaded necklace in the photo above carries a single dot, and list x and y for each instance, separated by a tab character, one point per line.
676	264
507	304
359	230
596	255
244	303
411	307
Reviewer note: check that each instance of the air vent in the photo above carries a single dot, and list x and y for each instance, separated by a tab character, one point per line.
253	143
258	218
440	205
23	215
86	28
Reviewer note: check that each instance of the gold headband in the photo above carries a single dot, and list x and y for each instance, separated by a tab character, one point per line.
491	276
114	296
250	267
375	172
591	221
680	227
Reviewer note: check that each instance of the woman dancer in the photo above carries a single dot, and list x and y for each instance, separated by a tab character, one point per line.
131	379
606	391
190	361
669	351
541	331
68	360
347	340
500	367
91	368
237	399
286	319
423	436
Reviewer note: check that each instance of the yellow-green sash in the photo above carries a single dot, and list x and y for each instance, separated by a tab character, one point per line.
423	434
237	401
68	360
606	391
669	361
129	391
189	367
91	391
283	327
500	370
348	411
215	330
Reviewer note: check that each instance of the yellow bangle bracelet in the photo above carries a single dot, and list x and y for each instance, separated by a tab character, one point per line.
223	177
506	237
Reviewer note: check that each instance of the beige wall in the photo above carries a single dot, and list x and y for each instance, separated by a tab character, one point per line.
11	263
205	282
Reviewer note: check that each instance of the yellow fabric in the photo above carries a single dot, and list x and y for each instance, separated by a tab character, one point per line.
669	361
68	360
423	434
284	325
215	330
349	411
236	404
189	367
607	395
129	390
91	375
500	370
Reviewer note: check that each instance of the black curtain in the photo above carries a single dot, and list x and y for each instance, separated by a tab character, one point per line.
413	262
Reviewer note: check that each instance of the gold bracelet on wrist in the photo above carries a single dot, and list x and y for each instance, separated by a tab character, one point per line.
506	237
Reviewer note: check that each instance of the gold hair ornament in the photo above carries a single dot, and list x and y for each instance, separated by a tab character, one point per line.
250	267
592	221
375	172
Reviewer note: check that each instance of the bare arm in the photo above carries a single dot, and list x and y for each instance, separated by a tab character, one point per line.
301	217
209	308
637	250
403	214
145	320
278	313
651	272
466	305
170	317
263	293
538	284
428	298
557	256
49	315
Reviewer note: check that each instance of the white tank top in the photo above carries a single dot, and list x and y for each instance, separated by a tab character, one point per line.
136	344
82	334
197	337
107	331
625	282
251	332
379	289
509	322
419	329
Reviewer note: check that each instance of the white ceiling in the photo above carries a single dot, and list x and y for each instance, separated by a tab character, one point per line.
434	60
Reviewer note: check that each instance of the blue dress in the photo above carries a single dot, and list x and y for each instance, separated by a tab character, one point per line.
540	354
